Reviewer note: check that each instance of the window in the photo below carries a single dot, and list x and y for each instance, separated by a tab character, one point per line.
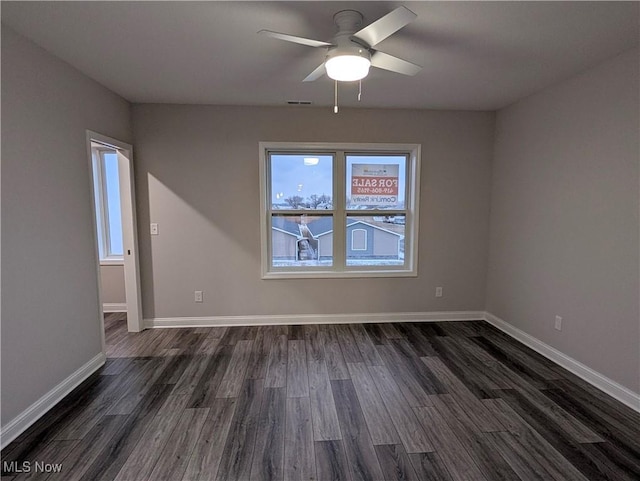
339	210
359	240
107	201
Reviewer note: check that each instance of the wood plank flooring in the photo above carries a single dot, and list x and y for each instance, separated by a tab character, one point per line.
457	401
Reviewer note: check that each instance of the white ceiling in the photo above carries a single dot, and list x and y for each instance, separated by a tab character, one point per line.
476	55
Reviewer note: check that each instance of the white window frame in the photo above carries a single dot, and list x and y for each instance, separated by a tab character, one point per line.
353	231
339	211
102	209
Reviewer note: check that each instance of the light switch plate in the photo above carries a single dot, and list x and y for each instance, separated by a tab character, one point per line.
558	325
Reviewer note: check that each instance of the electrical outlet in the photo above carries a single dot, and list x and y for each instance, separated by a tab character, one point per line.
558	325
438	291
154	229
197	296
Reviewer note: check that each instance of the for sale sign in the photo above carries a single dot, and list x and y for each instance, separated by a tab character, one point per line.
374	184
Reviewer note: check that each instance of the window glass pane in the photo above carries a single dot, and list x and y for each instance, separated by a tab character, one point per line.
301	181
301	240
375	240
376	181
114	215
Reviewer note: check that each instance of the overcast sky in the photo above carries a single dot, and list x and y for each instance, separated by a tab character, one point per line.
291	176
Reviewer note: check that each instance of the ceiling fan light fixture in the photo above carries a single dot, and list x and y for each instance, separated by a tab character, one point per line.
347	68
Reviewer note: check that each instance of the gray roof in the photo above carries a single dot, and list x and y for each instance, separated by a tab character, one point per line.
284	225
321	226
324	225
351	221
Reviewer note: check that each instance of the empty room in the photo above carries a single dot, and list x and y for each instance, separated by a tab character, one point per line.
320	241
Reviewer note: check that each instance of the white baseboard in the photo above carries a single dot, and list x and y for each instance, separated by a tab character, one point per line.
258	320
21	423
114	307
610	387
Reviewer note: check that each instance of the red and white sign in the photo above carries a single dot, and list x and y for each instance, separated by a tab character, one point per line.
374	184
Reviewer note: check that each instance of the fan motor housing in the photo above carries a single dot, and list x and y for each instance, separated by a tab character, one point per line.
348	20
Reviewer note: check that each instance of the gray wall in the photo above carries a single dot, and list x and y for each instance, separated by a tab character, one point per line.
564	218
112	284
197	177
50	321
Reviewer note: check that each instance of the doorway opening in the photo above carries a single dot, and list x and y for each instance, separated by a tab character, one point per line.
112	185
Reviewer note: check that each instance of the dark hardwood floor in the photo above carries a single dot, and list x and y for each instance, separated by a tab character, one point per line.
434	401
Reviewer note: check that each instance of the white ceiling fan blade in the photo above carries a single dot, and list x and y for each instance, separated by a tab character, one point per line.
316	74
394	64
292	38
385	26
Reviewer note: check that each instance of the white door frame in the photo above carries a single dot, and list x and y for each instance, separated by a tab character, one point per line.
129	230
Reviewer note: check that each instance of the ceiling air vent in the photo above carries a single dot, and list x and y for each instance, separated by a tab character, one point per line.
299	102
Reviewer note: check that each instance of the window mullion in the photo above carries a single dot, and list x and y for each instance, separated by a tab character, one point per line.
411	210
339	223
268	202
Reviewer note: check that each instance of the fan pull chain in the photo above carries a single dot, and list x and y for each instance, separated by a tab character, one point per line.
359	90
335	98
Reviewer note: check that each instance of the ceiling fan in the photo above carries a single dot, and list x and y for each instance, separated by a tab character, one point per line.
351	52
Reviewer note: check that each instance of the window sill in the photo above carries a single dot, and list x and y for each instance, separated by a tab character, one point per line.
338	274
111	262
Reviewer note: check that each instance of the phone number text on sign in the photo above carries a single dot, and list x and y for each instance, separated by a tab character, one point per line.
374	185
